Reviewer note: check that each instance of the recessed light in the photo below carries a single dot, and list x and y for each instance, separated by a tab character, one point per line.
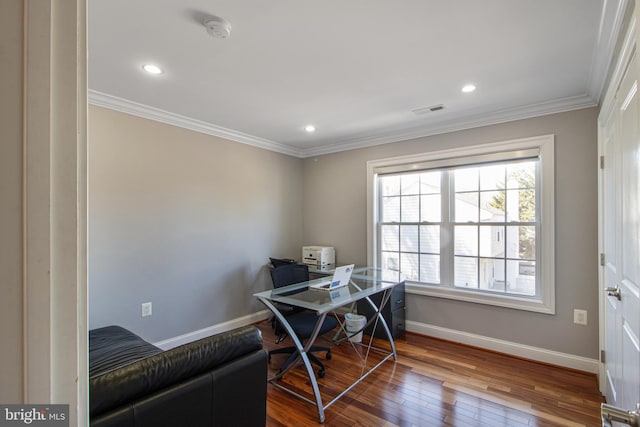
152	69
310	128
468	88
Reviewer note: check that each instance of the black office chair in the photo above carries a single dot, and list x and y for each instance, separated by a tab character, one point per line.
279	262
302	321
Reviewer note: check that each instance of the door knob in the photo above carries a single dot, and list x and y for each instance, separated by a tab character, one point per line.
613	292
611	413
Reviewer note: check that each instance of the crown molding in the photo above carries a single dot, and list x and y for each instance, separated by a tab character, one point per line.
101	99
611	26
469	122
472	121
624	56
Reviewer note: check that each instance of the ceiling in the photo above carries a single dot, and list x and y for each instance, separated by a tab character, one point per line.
354	69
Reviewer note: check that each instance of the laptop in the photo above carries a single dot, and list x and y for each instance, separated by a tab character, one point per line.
340	278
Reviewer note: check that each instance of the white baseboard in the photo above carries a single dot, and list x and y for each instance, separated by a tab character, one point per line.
220	327
507	347
214	329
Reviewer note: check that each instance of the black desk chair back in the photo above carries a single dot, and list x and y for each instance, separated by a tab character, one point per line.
279	262
284	274
302	321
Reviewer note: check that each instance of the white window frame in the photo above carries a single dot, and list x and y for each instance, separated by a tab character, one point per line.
545	240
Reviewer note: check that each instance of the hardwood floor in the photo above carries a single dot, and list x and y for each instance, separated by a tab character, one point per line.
437	383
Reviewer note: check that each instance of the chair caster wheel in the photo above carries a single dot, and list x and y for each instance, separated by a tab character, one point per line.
328	355
321	373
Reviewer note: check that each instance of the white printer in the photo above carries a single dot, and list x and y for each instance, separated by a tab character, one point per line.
318	256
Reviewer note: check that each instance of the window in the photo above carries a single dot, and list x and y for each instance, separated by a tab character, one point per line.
474	224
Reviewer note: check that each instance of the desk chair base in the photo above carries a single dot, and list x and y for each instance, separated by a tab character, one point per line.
294	353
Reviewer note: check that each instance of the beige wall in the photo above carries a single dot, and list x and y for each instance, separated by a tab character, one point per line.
339	180
11	389
184	220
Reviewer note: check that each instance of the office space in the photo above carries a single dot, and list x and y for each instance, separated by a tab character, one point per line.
149	154
271	203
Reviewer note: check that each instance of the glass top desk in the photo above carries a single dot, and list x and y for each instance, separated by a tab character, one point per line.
365	281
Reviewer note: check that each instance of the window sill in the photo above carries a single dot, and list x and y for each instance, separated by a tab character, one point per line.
534	304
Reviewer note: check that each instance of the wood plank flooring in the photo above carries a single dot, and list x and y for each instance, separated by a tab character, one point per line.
436	383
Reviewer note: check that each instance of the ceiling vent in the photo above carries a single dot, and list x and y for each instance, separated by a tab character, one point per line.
425	110
217	27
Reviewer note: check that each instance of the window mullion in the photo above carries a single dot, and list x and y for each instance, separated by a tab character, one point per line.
400	224
506	241
537	223
419	222
378	220
478	263
446	231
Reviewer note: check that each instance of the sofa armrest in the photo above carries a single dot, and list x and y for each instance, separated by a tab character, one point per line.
112	347
161	370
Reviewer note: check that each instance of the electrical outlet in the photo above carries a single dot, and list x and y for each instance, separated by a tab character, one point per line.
580	317
146	309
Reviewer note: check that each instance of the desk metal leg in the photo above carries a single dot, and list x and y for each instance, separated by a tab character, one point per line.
378	318
302	351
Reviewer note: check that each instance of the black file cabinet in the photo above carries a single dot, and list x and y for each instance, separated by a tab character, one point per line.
393	313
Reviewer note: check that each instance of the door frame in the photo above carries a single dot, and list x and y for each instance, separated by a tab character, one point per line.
54	209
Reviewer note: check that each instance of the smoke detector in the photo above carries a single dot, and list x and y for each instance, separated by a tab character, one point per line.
217	27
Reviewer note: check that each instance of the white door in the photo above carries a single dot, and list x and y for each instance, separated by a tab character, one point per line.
620	226
610	222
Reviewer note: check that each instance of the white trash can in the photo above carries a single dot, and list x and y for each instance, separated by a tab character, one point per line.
353	323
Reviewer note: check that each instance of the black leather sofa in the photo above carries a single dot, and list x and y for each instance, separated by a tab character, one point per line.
215	381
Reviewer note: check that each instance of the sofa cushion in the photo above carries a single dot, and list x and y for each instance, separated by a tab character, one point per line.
144	376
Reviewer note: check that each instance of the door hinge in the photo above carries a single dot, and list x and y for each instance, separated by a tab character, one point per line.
601	162
602	259
603	359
